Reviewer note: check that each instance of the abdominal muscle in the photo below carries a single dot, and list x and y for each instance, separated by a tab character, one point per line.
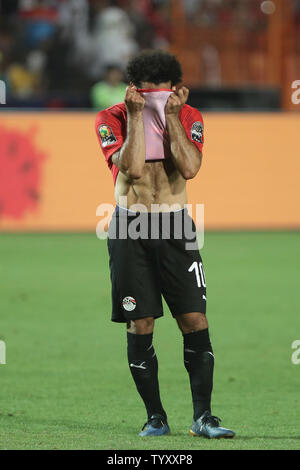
161	188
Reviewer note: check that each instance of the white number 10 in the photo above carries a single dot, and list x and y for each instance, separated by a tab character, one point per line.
198	268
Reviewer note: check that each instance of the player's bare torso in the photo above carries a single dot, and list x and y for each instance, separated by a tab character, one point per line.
160	184
154	184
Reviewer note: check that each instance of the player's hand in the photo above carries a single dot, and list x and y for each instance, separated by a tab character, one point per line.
133	100
176	101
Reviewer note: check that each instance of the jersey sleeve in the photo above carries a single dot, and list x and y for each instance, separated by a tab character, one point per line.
192	121
110	132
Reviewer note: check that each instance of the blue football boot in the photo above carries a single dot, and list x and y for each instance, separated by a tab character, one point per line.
156	426
209	426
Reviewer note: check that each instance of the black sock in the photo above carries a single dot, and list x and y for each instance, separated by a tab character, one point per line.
199	362
144	369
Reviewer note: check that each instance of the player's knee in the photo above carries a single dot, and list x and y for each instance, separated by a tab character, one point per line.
190	322
142	326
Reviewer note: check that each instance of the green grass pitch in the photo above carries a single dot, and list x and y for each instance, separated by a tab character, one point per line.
66	384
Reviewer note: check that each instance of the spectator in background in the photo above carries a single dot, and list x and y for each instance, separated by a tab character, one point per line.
74	30
137	14
110	91
26	78
111	40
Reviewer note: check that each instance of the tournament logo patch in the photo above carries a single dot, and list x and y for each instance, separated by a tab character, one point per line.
197	132
106	135
129	303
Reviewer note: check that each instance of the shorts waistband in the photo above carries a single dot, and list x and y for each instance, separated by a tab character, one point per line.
120	211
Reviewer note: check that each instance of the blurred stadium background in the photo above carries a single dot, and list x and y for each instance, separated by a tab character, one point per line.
61	62
64	60
236	54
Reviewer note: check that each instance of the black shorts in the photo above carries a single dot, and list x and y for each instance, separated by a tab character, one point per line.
163	260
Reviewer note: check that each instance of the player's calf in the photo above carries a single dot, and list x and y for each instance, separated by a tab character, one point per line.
143	365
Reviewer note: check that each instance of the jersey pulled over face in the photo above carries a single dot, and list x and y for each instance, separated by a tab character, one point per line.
156	136
111	127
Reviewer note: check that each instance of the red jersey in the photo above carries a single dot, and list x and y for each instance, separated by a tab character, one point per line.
111	128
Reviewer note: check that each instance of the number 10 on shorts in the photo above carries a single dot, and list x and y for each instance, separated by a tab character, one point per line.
199	273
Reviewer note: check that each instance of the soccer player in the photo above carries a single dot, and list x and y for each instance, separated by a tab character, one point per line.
153	144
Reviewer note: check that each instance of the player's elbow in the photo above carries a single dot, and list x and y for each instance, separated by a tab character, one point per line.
190	173
134	173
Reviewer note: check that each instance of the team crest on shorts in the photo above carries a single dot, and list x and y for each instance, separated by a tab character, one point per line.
129	303
106	135
197	132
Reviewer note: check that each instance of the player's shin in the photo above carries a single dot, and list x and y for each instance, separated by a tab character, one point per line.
144	369
199	362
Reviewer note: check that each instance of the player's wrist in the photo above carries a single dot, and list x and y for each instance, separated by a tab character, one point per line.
172	117
136	115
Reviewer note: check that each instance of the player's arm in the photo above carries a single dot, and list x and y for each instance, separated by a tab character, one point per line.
185	154
130	159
